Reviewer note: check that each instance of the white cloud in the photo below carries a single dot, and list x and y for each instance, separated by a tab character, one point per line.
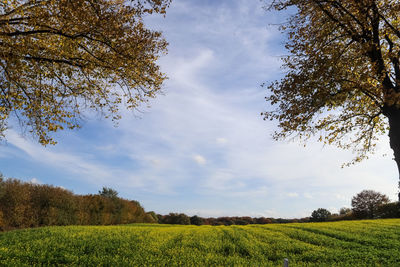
292	194
199	159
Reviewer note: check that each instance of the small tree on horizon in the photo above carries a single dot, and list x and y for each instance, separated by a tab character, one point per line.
320	215
366	203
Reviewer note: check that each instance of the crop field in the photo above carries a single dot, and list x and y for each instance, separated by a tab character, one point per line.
350	243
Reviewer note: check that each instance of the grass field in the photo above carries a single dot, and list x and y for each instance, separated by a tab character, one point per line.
350	243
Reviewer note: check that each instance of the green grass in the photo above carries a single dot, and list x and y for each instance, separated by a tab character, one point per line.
349	243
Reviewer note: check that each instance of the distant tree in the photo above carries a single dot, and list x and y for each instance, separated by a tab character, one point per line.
320	215
176	218
227	220
209	221
282	220
248	220
183	219
153	215
262	220
344	211
365	203
60	58
196	220
160	218
304	220
148	218
240	221
108	192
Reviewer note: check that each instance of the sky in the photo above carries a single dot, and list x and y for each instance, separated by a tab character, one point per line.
202	147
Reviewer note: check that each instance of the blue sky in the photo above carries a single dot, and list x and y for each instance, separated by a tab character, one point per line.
202	147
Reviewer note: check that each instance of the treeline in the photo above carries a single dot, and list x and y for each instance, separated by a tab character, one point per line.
25	205
181	218
368	204
388	210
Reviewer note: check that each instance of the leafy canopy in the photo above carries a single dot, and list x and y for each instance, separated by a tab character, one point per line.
343	71
60	57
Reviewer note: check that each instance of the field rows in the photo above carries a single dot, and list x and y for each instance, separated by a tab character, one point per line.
356	243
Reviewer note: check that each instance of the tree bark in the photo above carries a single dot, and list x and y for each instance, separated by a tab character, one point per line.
393	114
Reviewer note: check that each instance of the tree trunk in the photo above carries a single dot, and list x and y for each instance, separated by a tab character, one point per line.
393	114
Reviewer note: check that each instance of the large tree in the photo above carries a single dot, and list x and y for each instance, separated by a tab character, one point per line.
343	73
60	57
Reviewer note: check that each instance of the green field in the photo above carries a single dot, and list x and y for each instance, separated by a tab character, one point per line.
350	243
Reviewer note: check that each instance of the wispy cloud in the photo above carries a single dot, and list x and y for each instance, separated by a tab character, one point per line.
65	161
199	159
